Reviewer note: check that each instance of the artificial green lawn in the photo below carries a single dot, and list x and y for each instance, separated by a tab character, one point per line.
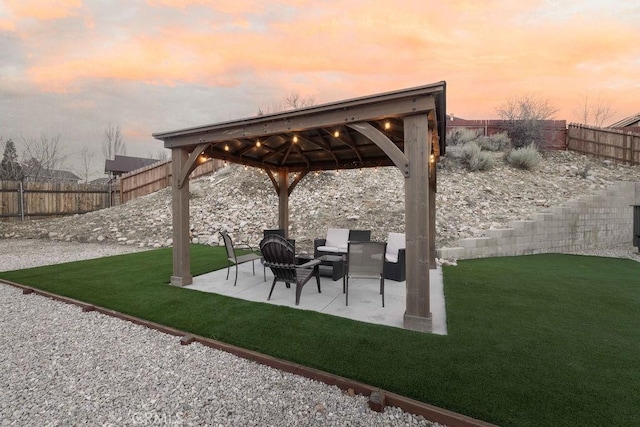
534	340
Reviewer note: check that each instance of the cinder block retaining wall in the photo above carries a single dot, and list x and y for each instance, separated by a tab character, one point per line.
603	219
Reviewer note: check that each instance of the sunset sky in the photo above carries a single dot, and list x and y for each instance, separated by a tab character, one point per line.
73	67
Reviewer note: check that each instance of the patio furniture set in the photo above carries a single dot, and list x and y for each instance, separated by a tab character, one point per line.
342	254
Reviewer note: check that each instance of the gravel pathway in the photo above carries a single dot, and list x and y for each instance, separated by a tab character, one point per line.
60	366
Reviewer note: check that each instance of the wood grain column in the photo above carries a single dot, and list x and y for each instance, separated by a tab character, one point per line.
180	217
417	147
432	213
283	201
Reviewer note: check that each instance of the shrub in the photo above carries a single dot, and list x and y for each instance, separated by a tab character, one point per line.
460	136
475	159
524	158
524	117
497	142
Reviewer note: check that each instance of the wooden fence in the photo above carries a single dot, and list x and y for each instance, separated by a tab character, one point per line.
32	200
554	132
153	178
616	144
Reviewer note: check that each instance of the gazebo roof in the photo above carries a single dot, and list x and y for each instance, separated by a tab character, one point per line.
337	135
404	128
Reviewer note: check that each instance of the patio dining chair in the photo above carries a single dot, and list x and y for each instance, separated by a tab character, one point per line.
365	260
234	259
279	255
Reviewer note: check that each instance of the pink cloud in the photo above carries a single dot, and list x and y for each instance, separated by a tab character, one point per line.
43	9
7	25
486	51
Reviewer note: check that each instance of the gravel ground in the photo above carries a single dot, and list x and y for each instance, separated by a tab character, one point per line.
60	366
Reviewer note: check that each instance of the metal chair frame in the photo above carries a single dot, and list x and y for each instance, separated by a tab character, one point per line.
234	259
372	254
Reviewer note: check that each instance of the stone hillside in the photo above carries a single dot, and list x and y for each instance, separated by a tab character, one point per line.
244	203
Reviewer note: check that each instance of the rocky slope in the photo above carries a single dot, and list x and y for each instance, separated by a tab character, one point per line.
243	202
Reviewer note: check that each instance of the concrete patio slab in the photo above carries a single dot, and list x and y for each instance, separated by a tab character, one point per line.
365	303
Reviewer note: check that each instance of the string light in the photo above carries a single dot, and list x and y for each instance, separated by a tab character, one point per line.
226	147
258	144
295	138
387	125
336	134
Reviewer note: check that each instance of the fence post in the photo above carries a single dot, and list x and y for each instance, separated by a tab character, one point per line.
626	148
632	138
21	197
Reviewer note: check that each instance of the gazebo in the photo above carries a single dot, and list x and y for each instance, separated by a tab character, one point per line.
404	128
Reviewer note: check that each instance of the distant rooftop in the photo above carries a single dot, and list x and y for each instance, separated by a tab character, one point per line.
629	121
124	164
53	175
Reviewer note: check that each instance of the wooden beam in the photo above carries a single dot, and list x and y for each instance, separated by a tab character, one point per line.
275	183
190	164
417	145
324	146
300	152
297	121
432	214
346	139
283	201
180	218
295	182
390	149
434	156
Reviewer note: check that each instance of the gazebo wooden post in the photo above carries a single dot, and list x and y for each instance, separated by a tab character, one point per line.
432	214
180	217
283	201
417	146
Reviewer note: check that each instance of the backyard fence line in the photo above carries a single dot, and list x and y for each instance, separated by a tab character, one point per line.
152	178
31	200
618	145
554	131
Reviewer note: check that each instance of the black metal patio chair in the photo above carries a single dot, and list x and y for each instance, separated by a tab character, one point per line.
279	255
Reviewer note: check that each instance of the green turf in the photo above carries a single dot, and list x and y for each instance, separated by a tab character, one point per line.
534	340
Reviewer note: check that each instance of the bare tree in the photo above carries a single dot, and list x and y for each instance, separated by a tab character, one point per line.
112	143
42	157
594	113
291	102
85	169
160	154
10	168
523	116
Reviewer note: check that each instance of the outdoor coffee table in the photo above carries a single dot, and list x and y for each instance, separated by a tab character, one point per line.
336	262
